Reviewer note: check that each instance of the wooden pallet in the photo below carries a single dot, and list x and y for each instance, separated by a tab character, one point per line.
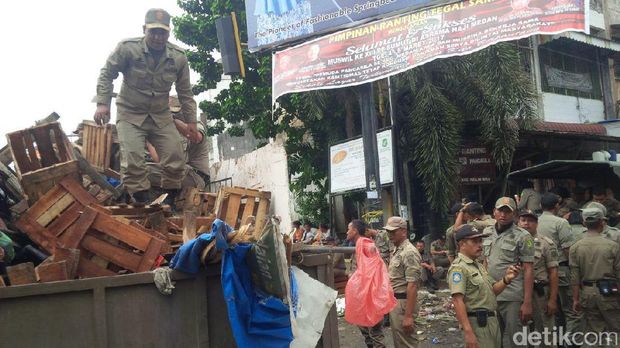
43	156
69	217
235	204
97	145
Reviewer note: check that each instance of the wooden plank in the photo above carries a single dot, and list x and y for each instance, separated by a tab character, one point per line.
123	232
64	151
261	217
39	234
21	274
129	210
88	269
71	257
55	210
74	234
18	150
58	226
112	253
45	147
2	284
52	271
234	203
112	173
77	191
45	202
249	209
150	255
247	192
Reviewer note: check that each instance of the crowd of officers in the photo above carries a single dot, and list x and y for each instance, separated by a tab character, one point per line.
519	271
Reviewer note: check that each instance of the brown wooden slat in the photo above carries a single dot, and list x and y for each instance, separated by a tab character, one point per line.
64	153
45	147
123	232
89	269
150	255
261	216
71	256
39	234
114	254
55	210
45	202
77	191
52	271
22	274
58	226
18	150
74	234
247	192
249	208
234	202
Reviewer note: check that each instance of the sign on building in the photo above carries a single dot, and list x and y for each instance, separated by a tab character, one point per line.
347	170
272	23
393	45
477	166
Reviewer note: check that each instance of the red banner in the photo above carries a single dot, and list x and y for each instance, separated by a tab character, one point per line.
393	45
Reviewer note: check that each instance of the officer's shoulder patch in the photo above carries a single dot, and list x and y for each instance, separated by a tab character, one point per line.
131	40
175	47
548	240
457	277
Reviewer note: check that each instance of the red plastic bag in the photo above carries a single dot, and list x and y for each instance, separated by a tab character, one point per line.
368	295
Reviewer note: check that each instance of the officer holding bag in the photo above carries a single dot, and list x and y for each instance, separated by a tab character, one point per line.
595	270
473	291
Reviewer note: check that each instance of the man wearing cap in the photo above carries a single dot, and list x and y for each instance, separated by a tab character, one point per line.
405	272
472	213
595	271
150	65
450	241
545	274
509	245
559	231
609	232
473	291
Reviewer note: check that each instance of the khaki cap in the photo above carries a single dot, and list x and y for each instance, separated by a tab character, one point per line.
157	18
395	222
506	202
468	232
598	206
592	214
529	213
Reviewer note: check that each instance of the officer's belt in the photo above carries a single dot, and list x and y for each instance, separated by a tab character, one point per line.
474	314
401	296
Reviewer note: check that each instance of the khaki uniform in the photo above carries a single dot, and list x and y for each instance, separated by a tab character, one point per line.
591	259
470	278
567	206
451	242
480	224
503	250
405	267
560	232
530	200
143	111
384	245
440	260
545	257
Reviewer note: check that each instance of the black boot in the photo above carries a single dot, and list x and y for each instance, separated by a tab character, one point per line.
141	198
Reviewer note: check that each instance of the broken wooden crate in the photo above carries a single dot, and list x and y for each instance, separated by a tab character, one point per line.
43	156
97	145
69	217
235	205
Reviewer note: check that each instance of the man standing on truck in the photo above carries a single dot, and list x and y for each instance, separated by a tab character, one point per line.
150	65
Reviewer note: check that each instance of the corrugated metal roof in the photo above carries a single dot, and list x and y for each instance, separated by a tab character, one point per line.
590	40
569	170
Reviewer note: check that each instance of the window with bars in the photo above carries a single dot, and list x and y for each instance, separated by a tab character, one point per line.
576	63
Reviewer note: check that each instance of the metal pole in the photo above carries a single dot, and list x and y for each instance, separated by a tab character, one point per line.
399	184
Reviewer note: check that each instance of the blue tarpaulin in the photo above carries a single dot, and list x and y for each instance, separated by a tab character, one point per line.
187	258
257	320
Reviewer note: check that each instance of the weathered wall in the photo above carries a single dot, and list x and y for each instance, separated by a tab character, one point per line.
265	169
562	108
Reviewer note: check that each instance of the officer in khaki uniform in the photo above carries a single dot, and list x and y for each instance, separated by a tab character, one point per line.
150	65
545	274
473	291
509	245
405	272
595	271
560	232
609	232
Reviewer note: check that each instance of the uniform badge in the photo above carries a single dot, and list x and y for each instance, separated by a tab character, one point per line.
457	277
530	243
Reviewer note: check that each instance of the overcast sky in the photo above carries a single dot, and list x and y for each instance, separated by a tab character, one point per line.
53	51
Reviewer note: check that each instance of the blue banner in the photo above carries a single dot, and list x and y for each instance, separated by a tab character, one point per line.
272	23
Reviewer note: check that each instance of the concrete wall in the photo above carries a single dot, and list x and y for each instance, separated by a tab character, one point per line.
264	169
562	108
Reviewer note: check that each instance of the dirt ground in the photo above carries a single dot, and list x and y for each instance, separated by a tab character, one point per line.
436	325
